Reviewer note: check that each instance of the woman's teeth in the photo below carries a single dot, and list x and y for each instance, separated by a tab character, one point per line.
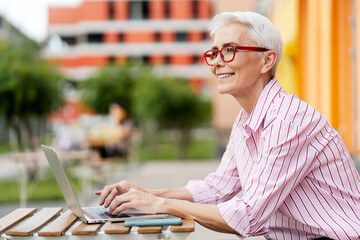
225	75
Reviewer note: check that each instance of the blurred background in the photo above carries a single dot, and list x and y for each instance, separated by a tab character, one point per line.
111	82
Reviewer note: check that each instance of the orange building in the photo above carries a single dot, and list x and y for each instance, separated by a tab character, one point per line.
169	34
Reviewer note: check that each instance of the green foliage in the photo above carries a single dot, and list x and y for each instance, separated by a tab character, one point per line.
29	89
171	102
28	85
5	147
147	97
113	84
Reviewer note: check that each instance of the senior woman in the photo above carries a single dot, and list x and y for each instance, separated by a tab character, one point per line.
297	177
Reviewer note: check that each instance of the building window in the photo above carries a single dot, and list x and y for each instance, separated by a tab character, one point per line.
69	40
205	36
181	36
111	10
121	37
195	59
111	59
139	10
145	10
143	59
167	9
167	60
95	38
157	37
195	9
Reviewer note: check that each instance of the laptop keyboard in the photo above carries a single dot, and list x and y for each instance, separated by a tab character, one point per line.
101	213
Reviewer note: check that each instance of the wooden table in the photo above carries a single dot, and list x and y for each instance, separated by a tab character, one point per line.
52	223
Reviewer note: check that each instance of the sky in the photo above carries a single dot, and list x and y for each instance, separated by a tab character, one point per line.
31	16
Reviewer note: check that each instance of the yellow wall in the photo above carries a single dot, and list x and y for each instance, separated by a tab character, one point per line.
325	66
317	63
285	18
315	82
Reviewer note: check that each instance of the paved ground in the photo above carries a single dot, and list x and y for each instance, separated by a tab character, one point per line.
151	175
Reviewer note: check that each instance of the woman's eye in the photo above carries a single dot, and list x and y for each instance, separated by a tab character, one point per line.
212	55
229	49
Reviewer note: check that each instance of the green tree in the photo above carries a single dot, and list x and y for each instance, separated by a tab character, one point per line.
111	84
172	103
29	90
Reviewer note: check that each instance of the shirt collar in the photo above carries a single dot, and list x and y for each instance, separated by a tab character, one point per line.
262	105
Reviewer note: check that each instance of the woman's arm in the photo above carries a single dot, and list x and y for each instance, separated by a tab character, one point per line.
109	192
172	193
207	215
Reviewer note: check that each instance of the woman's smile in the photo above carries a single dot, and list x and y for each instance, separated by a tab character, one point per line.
223	76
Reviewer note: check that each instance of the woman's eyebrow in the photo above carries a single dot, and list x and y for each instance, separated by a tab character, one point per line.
225	45
230	44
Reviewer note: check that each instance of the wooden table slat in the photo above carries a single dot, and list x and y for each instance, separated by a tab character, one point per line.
116	228
150	229
188	225
86	229
60	225
35	222
15	217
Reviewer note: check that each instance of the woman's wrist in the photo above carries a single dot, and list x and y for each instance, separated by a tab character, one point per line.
178	193
158	192
162	205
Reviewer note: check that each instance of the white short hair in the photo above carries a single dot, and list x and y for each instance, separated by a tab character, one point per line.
262	31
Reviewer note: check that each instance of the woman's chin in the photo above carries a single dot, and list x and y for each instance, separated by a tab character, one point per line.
223	90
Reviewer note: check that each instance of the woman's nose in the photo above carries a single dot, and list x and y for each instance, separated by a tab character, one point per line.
218	60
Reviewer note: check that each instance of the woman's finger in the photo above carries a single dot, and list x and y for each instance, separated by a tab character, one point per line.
111	197
122	207
118	201
104	193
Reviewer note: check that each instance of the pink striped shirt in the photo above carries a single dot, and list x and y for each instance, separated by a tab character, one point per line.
297	177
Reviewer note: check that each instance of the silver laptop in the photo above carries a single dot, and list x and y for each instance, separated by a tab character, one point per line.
87	214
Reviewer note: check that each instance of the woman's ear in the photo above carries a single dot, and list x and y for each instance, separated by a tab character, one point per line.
269	59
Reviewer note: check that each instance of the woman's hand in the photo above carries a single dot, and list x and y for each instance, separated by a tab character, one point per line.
109	192
136	199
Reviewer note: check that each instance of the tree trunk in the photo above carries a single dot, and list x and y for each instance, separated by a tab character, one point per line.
29	134
15	125
184	142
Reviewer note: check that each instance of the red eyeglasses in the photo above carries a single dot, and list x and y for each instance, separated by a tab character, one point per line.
227	53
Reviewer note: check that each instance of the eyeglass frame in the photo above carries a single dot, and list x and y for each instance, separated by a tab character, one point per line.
248	48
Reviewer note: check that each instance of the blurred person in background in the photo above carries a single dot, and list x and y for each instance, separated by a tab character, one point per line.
122	127
296	175
112	138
